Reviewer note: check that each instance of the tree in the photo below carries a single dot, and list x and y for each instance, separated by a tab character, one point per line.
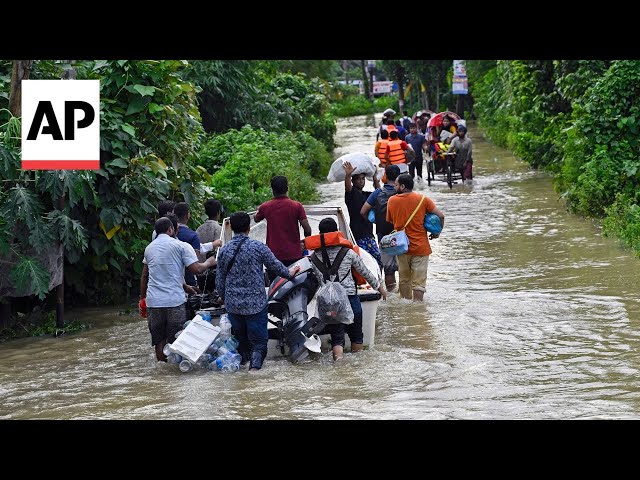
396	70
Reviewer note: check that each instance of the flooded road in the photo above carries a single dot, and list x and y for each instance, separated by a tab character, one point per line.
529	314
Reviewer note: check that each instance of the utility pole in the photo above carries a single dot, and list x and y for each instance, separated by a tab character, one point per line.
371	66
365	82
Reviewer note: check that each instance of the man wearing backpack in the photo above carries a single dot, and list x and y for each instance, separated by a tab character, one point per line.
378	201
407	209
327	257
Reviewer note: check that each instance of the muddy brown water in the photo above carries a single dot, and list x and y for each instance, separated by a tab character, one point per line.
530	314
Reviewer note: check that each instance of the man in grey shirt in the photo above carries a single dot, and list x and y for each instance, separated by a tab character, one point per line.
211	229
162	281
462	147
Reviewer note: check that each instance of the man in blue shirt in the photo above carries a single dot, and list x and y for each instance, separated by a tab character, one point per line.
419	144
378	201
162	280
240	283
185	234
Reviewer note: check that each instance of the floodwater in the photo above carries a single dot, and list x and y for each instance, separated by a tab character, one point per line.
529	314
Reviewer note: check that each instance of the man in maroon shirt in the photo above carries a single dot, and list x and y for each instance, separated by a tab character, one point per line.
283	215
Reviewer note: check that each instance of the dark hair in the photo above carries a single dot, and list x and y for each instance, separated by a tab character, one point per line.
181	210
406	180
327	225
165	207
391	122
279	185
405	113
213	208
174	220
462	127
392	172
163	224
398	124
393	134
384	134
411	125
240	222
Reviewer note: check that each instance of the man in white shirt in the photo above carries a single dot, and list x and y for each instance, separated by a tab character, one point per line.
162	281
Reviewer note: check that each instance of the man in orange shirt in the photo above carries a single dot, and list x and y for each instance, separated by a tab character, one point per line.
412	266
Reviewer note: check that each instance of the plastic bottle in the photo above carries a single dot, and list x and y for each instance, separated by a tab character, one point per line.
229	362
371	216
186	324
185	366
178	333
166	349
204	360
174	358
232	343
225	326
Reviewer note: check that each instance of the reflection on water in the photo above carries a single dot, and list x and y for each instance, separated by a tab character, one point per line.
529	313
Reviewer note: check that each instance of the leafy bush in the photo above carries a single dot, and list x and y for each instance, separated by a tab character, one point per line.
603	155
245	160
150	131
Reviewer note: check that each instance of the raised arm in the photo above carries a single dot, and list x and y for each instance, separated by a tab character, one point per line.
348	168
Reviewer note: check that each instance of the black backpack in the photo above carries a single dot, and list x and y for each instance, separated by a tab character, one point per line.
332	299
382	226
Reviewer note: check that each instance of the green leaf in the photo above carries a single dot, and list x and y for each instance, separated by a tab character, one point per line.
9	164
154	107
136	105
110	218
40	235
144	90
115	264
22	204
70	232
118	162
129	129
30	278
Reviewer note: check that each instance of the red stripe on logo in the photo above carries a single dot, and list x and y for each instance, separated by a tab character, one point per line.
60	165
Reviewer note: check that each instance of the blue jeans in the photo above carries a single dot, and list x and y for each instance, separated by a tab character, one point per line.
251	331
354	330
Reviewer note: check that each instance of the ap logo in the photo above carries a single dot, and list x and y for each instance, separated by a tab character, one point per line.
60	124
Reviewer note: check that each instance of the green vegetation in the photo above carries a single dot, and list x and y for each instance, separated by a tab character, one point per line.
352	105
38	323
245	160
579	119
169	129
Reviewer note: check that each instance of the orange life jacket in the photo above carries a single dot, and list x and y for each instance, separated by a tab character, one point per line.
382	148
333	239
396	154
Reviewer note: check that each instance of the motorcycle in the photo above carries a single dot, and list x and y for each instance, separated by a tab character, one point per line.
287	301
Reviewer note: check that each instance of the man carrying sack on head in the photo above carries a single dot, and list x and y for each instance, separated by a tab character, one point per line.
407	210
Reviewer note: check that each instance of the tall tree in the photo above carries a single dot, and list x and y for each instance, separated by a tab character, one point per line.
397	71
21	71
